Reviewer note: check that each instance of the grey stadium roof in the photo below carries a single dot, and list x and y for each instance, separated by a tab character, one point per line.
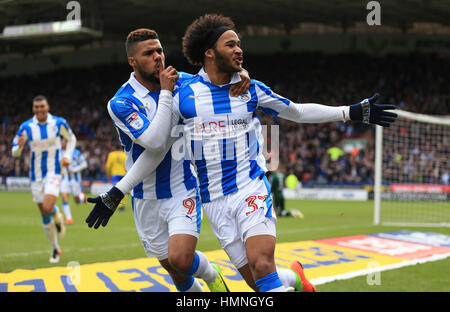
170	17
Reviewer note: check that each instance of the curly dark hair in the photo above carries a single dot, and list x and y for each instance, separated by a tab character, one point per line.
137	35
196	36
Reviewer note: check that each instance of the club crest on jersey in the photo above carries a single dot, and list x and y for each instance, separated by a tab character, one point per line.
135	121
245	97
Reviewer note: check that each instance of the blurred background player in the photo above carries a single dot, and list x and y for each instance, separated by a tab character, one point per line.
43	133
115	168
71	181
276	179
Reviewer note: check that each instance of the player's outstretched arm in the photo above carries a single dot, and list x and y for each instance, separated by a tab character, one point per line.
366	111
370	113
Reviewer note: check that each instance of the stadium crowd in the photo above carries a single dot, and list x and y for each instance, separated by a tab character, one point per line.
414	82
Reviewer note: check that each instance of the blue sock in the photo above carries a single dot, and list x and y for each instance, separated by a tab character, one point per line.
55	210
186	284
269	282
194	266
46	219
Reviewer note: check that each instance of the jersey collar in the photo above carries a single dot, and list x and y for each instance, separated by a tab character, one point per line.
235	77
35	120
137	87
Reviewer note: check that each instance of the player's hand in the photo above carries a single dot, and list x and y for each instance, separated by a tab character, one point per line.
21	141
105	205
167	78
65	162
370	113
242	86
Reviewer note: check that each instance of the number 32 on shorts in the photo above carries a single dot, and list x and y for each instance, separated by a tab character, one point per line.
254	202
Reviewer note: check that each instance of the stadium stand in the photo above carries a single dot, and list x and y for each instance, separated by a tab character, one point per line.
81	94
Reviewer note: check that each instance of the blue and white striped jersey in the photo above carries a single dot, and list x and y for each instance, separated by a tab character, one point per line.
132	109
77	164
45	145
224	133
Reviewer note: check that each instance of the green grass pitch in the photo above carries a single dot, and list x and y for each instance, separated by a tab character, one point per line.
24	245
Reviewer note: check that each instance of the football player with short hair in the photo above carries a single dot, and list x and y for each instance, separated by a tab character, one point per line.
43	134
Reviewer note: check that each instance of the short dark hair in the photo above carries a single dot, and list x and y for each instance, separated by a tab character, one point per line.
138	35
38	98
196	36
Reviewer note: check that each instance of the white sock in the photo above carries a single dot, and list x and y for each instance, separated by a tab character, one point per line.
196	287
50	232
278	289
81	197
205	270
66	210
287	277
56	215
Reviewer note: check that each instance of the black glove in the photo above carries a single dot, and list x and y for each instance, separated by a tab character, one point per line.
105	205
370	113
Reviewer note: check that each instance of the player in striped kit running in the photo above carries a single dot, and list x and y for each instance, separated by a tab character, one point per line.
224	136
71	182
43	134
166	204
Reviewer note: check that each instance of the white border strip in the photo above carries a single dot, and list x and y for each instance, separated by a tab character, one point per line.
323	280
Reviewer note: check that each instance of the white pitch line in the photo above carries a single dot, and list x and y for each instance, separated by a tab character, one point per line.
324	228
323	280
39	252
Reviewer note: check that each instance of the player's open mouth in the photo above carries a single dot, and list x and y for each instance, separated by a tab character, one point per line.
239	60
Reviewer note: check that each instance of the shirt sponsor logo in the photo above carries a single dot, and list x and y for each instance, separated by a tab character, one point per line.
44	144
135	121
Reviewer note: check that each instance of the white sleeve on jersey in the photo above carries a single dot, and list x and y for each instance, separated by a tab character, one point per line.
315	113
149	134
16	150
158	132
268	101
146	163
81	166
276	105
67	134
